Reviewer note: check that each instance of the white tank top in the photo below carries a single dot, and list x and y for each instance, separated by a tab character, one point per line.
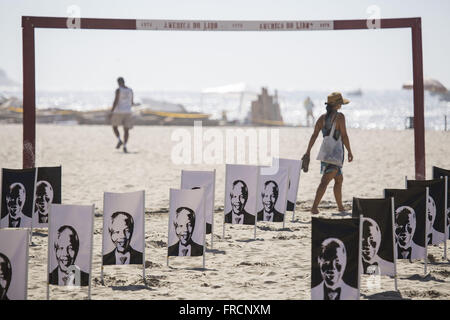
125	100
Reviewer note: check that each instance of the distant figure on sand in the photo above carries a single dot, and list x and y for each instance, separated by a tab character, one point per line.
121	113
331	171
309	106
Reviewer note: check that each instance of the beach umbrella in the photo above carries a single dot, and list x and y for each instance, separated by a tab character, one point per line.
429	84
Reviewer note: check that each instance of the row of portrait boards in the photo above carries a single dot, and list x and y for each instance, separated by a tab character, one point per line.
32	197
252	193
261	193
399	226
390	229
70	244
28	193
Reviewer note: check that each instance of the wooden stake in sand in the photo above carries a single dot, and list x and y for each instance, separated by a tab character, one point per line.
92	253
445	216
214	200
143	232
426	231
48	251
360	254
393	243
447	212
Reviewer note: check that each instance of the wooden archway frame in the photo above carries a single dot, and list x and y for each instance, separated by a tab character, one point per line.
30	23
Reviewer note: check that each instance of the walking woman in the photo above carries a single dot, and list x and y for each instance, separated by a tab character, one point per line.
331	171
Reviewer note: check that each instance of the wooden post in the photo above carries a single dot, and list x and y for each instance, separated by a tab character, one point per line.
419	123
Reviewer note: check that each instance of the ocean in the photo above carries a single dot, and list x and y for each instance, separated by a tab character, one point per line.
371	110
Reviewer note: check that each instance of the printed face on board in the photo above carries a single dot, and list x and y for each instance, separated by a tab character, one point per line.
206	180
13	263
405	226
121	230
66	247
431	213
44	197
187	223
18	188
293	179
15	199
371	239
5	276
335	258
70	245
184	224
332	261
270	195
241	194
448	220
238	196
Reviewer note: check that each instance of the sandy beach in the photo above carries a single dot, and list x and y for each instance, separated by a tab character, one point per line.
274	266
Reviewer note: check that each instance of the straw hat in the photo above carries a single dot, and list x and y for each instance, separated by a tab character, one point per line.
335	98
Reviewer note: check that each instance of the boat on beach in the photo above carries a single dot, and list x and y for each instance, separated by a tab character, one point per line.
150	112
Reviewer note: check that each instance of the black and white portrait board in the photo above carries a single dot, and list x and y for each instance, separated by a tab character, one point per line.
295	167
48	191
241	186
334	259
123	228
438	173
409	221
70	244
377	246
205	180
272	193
435	208
186	223
13	263
17	205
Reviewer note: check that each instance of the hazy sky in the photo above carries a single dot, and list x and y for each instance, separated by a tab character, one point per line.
179	60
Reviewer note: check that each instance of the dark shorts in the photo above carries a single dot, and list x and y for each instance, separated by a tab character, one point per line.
328	167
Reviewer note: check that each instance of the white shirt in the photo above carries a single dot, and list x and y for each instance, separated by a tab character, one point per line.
238	218
184	250
125	100
25	222
122	258
268	216
66	279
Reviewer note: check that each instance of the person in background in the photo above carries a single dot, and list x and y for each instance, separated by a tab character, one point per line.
121	113
331	171
309	106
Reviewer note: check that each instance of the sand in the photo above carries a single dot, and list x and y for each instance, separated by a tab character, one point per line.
274	266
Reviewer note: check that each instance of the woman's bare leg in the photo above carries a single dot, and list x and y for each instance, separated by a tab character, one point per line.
125	135
337	189
116	132
326	178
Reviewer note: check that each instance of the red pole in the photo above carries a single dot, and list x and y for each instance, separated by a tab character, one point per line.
29	95
419	123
